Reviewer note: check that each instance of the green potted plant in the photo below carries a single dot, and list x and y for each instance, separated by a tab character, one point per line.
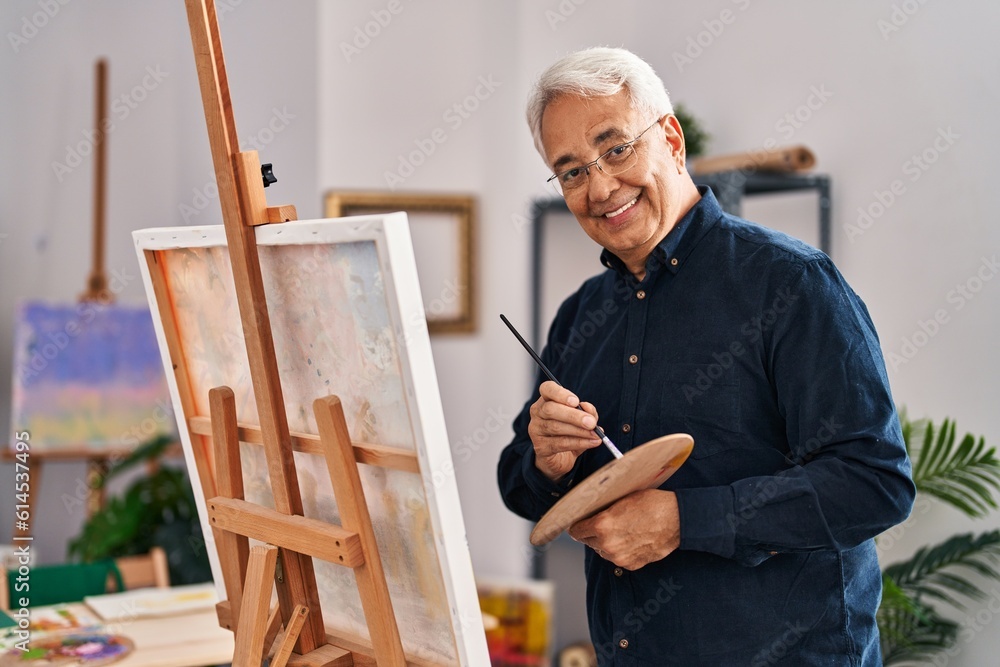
965	475
695	136
157	509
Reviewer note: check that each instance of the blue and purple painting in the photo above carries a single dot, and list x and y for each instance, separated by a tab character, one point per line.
89	377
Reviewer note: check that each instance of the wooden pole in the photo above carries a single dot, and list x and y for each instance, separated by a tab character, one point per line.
298	583
354	516
97	282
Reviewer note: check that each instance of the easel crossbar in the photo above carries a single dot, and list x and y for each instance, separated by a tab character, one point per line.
364	452
300	534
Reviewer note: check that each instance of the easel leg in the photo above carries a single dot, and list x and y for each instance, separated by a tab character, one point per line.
273	626
36	485
253	613
96	469
354	516
291	635
234	550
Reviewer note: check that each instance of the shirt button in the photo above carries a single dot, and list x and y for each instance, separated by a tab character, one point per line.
641	294
618	571
623	643
673	262
633	359
626	428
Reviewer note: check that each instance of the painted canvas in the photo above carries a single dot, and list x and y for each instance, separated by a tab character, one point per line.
347	319
88	377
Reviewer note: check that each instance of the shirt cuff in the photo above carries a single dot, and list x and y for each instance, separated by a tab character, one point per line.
708	520
543	487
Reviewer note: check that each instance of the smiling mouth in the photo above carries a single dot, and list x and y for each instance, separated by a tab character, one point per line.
614	214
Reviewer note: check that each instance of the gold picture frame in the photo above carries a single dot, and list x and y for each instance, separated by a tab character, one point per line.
443	231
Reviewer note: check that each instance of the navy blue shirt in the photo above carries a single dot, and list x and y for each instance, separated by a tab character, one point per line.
752	342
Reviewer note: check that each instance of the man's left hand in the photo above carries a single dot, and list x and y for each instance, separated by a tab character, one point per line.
638	529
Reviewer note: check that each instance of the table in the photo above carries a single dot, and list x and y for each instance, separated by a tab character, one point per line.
177	641
191	639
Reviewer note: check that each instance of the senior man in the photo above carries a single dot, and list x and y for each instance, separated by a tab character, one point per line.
760	549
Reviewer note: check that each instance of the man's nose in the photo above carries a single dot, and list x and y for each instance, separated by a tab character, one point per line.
600	185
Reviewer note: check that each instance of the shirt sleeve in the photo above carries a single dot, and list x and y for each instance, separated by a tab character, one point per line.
848	476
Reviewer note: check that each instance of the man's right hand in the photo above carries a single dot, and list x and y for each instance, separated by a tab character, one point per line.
559	431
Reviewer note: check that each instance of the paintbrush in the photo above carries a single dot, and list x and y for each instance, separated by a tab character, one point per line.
597	429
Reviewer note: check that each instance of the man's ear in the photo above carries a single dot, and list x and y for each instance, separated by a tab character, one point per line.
674	134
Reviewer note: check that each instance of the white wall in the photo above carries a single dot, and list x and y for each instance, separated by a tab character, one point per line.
355	116
158	157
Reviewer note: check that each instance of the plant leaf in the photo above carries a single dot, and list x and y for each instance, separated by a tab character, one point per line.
938	571
965	475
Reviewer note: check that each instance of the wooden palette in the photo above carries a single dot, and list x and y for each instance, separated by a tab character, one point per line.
645	467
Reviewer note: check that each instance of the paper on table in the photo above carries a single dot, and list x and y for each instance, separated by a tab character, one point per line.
151	602
49	619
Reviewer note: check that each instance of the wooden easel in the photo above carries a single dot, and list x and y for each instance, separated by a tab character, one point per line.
291	540
97	282
96	291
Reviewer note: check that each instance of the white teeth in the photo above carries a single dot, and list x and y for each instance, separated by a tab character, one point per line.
621	210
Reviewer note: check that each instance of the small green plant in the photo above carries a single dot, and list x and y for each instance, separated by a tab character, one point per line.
695	136
966	476
155	510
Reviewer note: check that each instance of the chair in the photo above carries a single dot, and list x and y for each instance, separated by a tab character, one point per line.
147	570
71	582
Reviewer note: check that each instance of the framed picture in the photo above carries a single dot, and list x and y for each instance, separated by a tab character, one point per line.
442	228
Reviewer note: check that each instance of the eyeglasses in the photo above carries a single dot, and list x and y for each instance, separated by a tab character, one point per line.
615	161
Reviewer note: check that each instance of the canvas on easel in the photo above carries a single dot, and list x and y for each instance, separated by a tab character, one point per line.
347	319
88	378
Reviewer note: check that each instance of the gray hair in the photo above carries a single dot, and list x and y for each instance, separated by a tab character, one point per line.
598	72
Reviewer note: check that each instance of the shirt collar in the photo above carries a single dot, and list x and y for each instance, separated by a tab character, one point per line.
668	252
